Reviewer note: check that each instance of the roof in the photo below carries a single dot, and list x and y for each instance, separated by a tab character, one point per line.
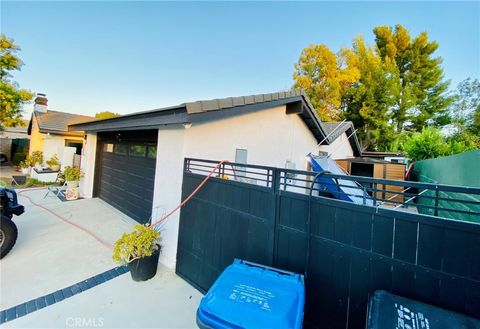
333	130
296	101
14	132
57	122
377	154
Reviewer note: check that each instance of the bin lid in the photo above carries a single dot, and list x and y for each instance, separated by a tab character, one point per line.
249	295
387	310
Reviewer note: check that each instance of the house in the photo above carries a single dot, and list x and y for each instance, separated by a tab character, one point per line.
135	162
13	140
48	131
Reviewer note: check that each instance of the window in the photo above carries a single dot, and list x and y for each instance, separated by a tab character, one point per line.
152	152
241	157
108	148
76	144
137	150
121	149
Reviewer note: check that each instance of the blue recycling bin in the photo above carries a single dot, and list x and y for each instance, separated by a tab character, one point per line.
249	295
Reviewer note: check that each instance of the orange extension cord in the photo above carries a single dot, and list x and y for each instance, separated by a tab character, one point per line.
97	238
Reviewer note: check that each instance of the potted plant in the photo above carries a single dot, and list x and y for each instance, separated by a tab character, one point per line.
54	163
72	176
37	160
25	166
140	250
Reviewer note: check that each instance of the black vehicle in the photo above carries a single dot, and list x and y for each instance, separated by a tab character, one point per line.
8	230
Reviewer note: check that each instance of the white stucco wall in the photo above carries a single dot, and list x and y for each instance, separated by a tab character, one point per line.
271	138
87	165
168	189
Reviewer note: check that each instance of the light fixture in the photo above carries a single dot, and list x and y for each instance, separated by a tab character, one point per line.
187	125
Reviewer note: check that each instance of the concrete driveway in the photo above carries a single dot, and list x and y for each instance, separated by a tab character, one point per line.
51	254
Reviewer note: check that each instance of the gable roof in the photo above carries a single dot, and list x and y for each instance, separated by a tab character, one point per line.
335	129
296	101
57	122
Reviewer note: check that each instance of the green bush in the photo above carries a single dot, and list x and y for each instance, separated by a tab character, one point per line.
141	242
18	157
430	143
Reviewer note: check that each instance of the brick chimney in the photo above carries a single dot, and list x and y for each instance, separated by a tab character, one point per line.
41	103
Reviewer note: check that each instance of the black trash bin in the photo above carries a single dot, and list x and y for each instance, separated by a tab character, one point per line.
386	310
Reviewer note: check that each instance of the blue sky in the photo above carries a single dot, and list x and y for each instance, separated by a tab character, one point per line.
127	57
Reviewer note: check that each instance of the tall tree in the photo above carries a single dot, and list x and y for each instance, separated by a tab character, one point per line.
106	115
325	76
12	98
465	108
368	102
422	97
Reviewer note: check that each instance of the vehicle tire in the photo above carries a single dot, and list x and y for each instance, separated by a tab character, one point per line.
8	235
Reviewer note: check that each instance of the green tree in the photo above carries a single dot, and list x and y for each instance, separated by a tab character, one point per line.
422	97
12	98
427	144
325	76
431	143
368	102
465	109
393	87
106	115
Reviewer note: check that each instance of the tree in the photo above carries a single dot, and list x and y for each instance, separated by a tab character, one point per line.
325	76
12	98
422	95
106	115
368	101
393	87
465	108
430	143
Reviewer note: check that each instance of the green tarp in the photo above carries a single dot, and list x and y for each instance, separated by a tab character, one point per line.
461	169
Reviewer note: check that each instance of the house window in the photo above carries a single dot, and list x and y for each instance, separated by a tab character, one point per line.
121	149
76	144
108	148
152	152
137	150
241	157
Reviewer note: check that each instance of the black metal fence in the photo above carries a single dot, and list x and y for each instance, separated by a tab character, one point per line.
347	250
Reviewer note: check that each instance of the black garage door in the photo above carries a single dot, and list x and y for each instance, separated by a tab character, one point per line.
126	171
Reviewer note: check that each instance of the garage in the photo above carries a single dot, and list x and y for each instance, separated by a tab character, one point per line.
126	171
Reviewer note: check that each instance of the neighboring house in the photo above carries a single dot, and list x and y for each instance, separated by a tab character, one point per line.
12	140
135	162
49	132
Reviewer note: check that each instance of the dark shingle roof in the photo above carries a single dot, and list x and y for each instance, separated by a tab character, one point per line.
58	122
296	100
333	130
222	103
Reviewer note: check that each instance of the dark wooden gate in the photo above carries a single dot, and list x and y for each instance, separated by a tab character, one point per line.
354	249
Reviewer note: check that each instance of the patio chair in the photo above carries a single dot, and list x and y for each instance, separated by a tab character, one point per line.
57	189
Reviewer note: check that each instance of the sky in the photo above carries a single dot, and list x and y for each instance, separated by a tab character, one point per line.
134	56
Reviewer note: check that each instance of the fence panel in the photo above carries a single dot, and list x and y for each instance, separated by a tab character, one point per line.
346	250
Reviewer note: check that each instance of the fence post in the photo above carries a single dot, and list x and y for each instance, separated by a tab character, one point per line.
437	192
375	194
276	215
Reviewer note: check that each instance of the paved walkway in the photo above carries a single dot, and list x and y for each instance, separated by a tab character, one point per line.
51	255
